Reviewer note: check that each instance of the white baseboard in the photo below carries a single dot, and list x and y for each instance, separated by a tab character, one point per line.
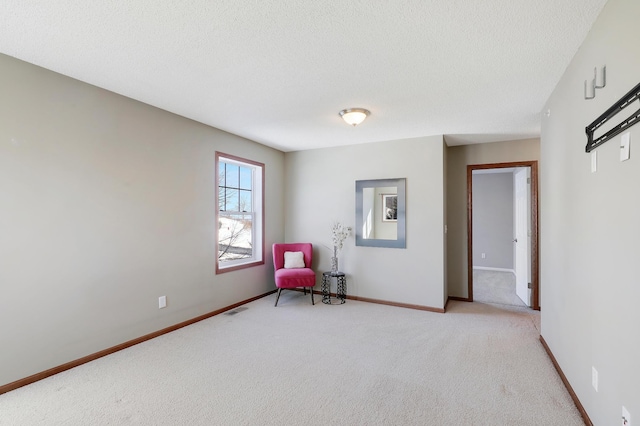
487	268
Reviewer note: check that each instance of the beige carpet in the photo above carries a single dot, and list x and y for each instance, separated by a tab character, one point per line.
298	364
495	287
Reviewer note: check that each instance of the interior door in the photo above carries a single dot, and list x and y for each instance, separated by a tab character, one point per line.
521	233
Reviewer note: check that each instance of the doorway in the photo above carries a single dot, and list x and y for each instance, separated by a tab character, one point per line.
523	239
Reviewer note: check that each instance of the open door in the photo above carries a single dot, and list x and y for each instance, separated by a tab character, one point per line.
521	238
529	236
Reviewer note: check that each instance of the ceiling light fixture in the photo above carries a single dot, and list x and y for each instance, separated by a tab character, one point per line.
354	116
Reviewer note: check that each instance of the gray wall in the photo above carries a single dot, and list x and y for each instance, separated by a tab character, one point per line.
458	157
105	205
493	220
321	189
590	224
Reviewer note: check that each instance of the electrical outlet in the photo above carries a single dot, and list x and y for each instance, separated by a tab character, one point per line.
162	302
484	255
626	417
594	378
594	161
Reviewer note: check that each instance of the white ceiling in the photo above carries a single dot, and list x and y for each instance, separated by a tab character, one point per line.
278	72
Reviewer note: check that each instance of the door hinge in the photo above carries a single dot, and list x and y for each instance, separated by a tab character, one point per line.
529	180
529	285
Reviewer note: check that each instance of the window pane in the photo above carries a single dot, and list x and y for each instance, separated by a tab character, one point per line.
221	174
234	236
245	178
232	175
245	201
232	200
221	199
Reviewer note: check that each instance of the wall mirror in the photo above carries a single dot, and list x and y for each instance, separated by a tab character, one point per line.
380	213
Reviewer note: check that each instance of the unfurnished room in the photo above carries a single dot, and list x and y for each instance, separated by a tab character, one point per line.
319	213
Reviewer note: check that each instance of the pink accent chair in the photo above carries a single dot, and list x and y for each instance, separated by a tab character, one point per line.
295	277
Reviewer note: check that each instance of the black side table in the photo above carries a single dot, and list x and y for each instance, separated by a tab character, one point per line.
341	290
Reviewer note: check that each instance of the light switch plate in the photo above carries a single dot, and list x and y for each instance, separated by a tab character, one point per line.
162	302
624	146
594	161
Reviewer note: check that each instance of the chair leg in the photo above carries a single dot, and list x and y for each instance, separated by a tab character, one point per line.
305	290
311	291
278	297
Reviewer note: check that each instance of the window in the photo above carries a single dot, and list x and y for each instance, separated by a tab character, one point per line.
240	230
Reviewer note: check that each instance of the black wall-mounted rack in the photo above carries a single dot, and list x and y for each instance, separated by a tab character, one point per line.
625	101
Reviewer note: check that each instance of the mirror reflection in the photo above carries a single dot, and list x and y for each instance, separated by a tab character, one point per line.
380	213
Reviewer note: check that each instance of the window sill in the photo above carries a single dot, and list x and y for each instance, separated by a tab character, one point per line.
222	270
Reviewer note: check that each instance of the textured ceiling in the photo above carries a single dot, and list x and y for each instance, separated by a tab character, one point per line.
278	72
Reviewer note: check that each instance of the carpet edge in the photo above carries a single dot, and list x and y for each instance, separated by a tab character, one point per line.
91	357
565	381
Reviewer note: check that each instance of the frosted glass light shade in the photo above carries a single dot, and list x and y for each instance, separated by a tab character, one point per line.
354	116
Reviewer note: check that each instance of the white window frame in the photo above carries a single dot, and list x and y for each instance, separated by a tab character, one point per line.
257	214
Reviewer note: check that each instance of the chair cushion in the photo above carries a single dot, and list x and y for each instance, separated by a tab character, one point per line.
292	278
293	259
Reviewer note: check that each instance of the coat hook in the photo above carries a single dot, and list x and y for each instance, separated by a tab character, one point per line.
593	90
599	83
